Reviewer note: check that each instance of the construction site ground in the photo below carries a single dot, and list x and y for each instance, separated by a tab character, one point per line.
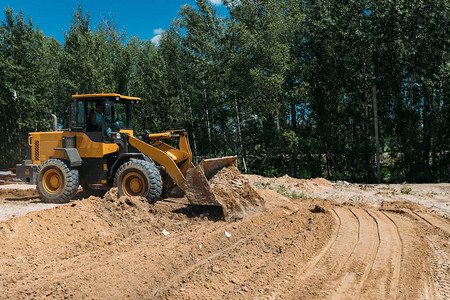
314	240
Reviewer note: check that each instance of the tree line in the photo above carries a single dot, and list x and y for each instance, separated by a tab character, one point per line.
305	88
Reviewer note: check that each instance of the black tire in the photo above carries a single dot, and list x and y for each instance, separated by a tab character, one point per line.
56	182
139	178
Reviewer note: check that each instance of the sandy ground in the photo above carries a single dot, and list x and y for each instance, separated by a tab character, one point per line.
19	199
433	196
331	241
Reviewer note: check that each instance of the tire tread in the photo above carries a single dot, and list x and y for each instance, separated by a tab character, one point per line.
71	182
150	171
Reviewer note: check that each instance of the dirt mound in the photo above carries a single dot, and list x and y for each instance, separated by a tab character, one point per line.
16	193
237	196
289	186
304	184
124	247
71	225
399	205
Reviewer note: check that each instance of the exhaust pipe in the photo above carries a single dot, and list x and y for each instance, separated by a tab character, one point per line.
55	122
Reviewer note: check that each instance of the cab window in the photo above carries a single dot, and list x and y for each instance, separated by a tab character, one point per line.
120	117
77	114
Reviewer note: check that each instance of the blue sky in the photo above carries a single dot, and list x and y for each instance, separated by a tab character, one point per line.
138	17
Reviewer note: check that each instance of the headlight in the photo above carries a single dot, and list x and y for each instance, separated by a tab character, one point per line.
118	136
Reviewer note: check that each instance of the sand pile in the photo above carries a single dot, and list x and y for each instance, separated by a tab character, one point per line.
127	248
289	185
117	248
93	221
304	184
237	196
18	193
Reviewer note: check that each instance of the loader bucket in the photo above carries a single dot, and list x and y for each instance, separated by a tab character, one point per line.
197	188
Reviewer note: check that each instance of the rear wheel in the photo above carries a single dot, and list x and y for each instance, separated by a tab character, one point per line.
139	178
56	182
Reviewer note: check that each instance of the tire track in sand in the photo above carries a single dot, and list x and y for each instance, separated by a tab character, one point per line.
280	285
362	259
398	260
384	274
311	280
440	261
309	269
433	221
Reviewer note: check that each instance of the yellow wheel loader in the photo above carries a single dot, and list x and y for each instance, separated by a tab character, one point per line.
99	151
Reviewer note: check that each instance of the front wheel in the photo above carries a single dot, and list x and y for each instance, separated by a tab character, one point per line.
139	178
56	182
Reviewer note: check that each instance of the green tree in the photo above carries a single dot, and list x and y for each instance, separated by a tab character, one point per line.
26	83
94	60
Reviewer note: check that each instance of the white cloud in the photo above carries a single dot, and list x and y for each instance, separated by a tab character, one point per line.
158	31
155	40
216	2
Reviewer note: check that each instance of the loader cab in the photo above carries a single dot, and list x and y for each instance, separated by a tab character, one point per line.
101	116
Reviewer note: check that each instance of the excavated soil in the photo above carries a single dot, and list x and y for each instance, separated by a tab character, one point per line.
436	197
301	248
238	198
20	193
